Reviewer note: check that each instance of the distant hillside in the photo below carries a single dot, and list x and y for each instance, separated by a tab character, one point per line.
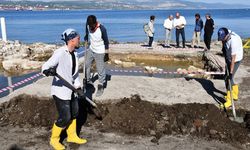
123	4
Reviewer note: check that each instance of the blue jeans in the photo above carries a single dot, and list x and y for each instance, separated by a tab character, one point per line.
236	66
177	33
151	39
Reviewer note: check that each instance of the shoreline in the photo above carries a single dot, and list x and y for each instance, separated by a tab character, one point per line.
18	58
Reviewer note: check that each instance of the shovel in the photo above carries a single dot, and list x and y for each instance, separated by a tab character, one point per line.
235	118
95	109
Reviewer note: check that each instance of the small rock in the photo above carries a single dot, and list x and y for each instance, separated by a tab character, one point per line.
152	132
166	118
223	136
192	130
192	68
247	145
26	130
155	140
117	62
128	64
213	132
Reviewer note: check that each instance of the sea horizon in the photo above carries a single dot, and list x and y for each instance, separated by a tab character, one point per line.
122	25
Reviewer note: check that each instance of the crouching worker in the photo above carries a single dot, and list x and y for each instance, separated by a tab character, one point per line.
64	62
233	51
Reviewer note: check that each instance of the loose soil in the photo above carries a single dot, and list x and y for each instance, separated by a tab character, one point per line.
244	87
131	116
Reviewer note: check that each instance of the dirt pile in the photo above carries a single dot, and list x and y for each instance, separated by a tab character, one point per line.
26	110
134	116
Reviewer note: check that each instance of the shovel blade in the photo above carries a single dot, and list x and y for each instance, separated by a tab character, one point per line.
237	119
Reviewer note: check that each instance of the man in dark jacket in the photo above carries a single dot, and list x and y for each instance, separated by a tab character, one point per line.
208	31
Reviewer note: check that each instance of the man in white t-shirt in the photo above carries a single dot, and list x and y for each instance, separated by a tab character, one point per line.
233	52
168	25
179	24
97	37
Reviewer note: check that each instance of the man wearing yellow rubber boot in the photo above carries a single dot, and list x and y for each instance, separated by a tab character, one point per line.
64	62
233	52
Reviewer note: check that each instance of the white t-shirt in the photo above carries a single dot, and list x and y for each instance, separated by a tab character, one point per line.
180	22
96	41
235	45
168	24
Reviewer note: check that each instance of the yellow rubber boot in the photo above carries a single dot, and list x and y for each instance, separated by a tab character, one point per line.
228	102
72	136
55	138
235	91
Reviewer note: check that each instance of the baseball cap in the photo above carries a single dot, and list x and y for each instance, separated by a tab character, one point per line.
222	33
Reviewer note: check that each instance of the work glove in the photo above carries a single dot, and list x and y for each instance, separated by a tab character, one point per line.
50	72
106	57
80	93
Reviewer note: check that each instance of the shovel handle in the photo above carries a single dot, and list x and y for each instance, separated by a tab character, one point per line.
67	84
231	94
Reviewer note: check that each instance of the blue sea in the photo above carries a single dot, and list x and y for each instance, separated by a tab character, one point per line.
122	25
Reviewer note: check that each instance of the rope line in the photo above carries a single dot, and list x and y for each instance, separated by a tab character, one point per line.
20	82
119	71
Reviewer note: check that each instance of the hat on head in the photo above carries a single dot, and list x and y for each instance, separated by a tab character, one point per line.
69	34
222	33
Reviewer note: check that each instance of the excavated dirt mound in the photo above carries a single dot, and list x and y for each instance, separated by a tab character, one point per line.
26	110
134	116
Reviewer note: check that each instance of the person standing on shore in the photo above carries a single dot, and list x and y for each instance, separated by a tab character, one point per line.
233	52
208	31
168	25
179	24
97	37
64	62
197	31
151	31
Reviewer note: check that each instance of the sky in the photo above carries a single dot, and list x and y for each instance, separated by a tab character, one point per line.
224	1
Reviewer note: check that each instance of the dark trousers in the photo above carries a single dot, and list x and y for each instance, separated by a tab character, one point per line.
207	39
236	66
151	39
67	110
177	34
